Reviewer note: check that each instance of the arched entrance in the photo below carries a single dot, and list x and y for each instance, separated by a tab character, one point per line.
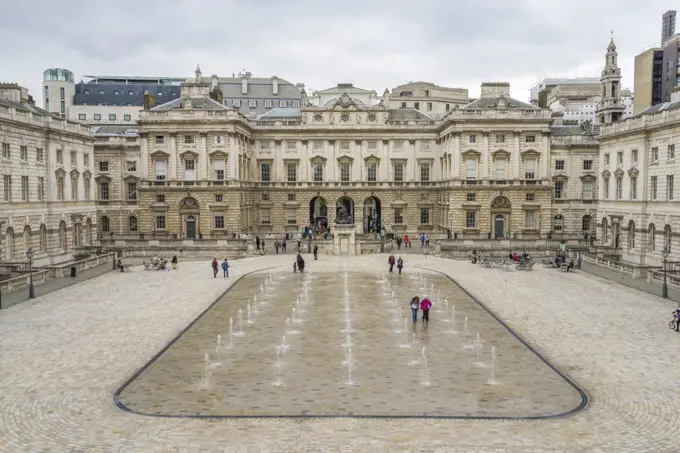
189	213
499	225
318	212
372	219
500	217
344	210
191	227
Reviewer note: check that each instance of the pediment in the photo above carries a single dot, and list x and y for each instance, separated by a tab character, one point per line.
560	176
160	154
471	153
372	159
345	159
633	172
74	173
218	153
587	178
103	178
87	174
500	153
618	173
345	101
606	173
530	152
60	172
189	155
131	178
317	158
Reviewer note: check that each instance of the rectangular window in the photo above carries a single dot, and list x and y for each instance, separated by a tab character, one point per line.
283	104
7	187
587	164
190	165
97	116
104	191
587	190
619	188
530	219
159	165
127	117
344	172
236	103
63	107
160	221
633	188
372	145
634	156
296	104
318	172
291	197
265	172
74	159
112	117
86	188
606	159
399	172
398	145
500	138
41	188
399	216
671	152
160	198
653	184
291	216
530	139
619	158
5	150
429	106
425	171
530	197
264	216
471	196
23	152
218	169
669	187
371	171
131	166
219	220
219	198
559	190
472	139
403	105
62	93
86	159
500	167
471	168
606	187
267	104
291	145
188	139
344	145
132	191
24	188
424	216
160	139
470	219
252	104
416	105
559	165
103	166
655	154
74	188
291	172
530	168
60	156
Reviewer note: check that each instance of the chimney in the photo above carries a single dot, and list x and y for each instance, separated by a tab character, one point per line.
275	85
244	84
495	89
149	100
214	81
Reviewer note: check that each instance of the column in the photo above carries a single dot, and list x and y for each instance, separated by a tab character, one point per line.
385	163
144	151
202	170
456	155
233	151
303	168
172	160
516	154
413	163
330	171
545	155
278	155
485	155
360	146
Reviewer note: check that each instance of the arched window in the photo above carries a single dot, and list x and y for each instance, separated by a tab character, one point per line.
667	238
105	224
651	232
27	238
585	223
43	238
62	236
605	231
9	241
559	223
631	234
132	223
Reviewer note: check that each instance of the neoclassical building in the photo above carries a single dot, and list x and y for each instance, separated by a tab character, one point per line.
204	170
47	198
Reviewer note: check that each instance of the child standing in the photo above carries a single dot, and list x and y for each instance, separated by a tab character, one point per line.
425	305
415	303
400	264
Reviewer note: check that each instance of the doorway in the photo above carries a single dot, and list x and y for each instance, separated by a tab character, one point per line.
191	227
499	225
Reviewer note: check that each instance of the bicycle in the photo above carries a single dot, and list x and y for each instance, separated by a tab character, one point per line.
673	323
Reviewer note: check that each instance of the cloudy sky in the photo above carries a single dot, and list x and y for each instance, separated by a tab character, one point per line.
374	44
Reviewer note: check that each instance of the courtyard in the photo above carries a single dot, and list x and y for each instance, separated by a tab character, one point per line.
285	380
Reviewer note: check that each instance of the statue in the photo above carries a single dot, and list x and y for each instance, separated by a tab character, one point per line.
343	217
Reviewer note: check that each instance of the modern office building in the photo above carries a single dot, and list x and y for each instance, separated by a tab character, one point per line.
648	76
667	25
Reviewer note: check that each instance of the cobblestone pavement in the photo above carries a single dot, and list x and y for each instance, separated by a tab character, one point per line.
64	355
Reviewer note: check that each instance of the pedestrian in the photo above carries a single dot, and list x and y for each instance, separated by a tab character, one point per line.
264	250
425	305
422	240
300	262
316	251
215	266
225	268
406	241
391	262
283	246
257	242
400	264
427	240
174	262
415	303
276	246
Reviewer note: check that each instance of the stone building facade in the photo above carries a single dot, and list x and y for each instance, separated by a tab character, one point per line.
47	192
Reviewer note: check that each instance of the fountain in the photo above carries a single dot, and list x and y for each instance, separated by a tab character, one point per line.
294	319
219	344
424	370
478	347
206	369
492	379
249	310
288	325
348	357
278	382
466	333
284	346
240	323
231	333
348	342
261	288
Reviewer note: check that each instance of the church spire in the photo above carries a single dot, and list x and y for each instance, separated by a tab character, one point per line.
611	108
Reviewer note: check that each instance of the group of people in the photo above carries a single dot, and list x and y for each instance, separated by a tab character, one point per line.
423	305
216	266
391	261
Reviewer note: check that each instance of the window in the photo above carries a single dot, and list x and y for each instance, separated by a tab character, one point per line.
236	103
291	145
447	107
264	216
41	188
60	156
471	196
23	152
669	187
425	171
530	139
218	139
344	145
559	190
470	219
7	186
654	187
264	171
127	117
634	156
372	145
104	222
188	139
104	191
291	172
60	189
671	152
472	138
63	107
530	168
633	188
267	104
159	165
585	223
619	188
587	190
559	165
296	104
291	197
398	145
344	171
655	154
399	172
131	166
500	166
132	191
131	93
62	93
371	171
587	164
97	116
471	168
283	104
86	159
424	216
5	150
559	223
530	197
103	165
86	188
291	216
112	117
403	105
132	224
74	159
190	165
606	159
160	198
218	169
416	105
619	158
74	188
218	220
667	238
399	215
24	188
160	139
500	138
252	103
160	221
318	172
530	219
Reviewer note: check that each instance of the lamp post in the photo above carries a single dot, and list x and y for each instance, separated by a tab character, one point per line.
664	291
31	289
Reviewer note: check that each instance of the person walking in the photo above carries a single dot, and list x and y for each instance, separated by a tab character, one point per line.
425	305
215	266
400	264
257	242
264	250
415	303
391	262
225	268
276	246
283	246
316	251
300	263
422	240
406	243
174	262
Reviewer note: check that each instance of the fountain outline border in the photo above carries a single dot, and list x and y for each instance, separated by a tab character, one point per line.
585	399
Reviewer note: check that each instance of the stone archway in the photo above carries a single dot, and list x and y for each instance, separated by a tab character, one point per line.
372	219
501	209
318	211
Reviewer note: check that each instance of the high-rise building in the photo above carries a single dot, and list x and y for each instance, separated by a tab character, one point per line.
648	76
667	25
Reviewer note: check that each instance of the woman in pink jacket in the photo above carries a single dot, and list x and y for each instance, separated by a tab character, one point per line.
425	305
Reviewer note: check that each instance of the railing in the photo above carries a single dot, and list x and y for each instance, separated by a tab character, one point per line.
62	270
511	244
22	281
